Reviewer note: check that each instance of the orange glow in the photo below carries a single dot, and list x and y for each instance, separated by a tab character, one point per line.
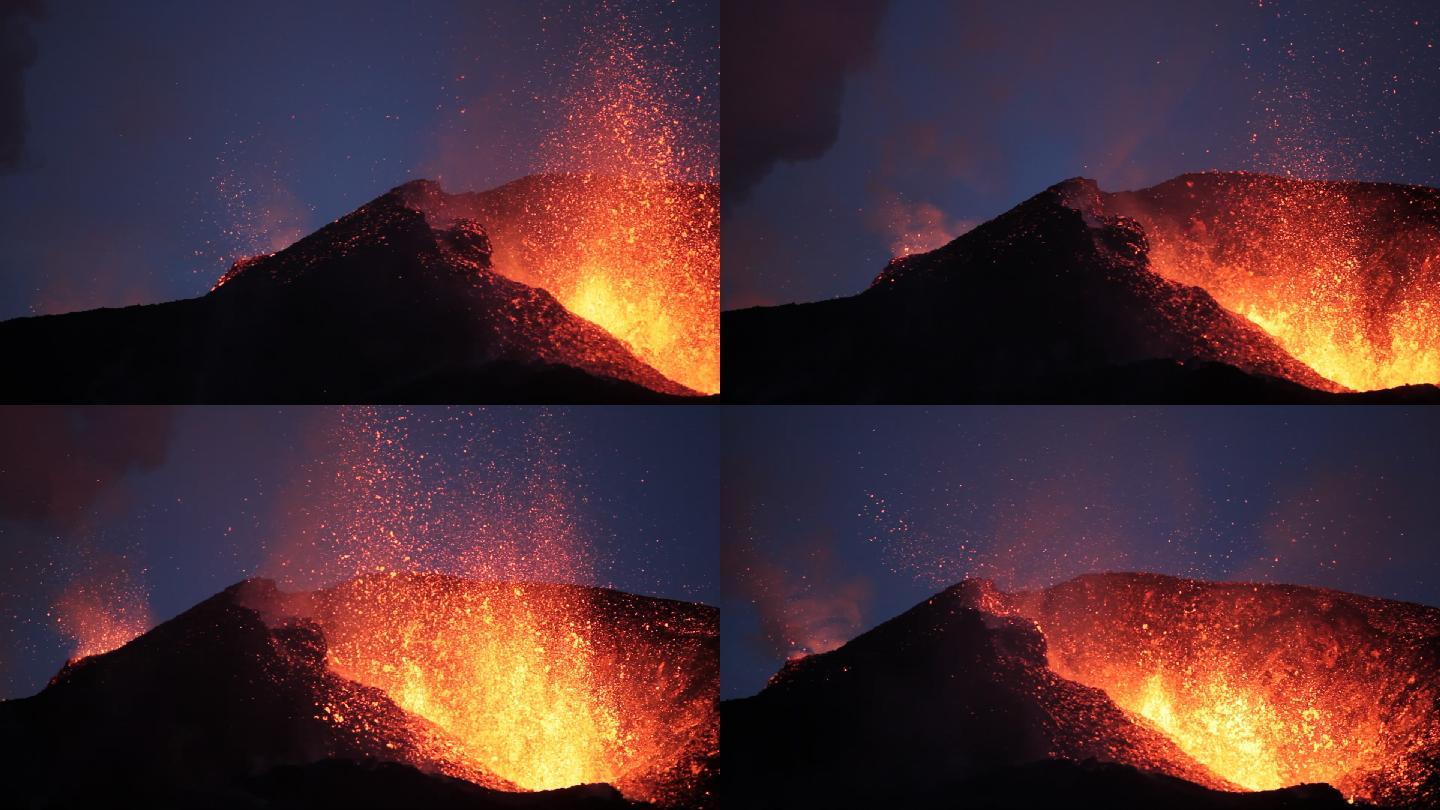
915	227
102	612
512	677
1345	276
1256	740
638	257
638	248
1266	686
527	683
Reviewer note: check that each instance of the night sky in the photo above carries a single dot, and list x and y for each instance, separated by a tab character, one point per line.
188	501
836	519
146	146
845	129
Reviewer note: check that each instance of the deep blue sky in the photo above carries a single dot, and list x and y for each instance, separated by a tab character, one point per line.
972	107
836	519
188	501
162	140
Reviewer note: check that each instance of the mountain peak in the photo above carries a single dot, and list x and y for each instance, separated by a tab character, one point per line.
398	300
270	680
971	689
420	194
1215	287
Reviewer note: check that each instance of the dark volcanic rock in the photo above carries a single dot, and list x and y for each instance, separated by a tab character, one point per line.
227	706
940	695
1064	784
1368	669
954	704
375	307
384	785
182	711
1053	301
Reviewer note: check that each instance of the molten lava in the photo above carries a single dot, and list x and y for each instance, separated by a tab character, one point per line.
542	686
509	679
1266	685
1345	276
638	257
637	248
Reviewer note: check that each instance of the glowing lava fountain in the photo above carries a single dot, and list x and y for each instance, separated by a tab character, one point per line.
638	257
636	248
1266	685
510	676
622	222
523	686
1345	276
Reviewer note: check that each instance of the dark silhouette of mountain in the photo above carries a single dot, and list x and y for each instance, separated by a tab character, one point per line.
959	702
379	306
1055	301
229	705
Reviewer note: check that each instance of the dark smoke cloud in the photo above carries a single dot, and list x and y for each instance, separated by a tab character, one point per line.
783	66
57	462
17	52
799	613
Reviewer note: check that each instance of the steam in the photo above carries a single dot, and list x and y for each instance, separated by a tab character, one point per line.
915	227
104	607
802	614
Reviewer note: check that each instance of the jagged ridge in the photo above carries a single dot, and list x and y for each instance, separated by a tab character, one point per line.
229	704
1055	300
377	306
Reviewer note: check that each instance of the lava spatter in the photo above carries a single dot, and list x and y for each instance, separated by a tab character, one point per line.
1266	685
626	233
460	550
1134	686
540	686
102	610
1345	276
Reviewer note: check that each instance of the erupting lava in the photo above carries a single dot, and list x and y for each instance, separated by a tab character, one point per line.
1345	276
638	257
1266	685
101	612
619	230
511	680
542	686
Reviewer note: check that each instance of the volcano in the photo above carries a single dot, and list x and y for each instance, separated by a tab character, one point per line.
395	690
1216	287
1115	690
409	299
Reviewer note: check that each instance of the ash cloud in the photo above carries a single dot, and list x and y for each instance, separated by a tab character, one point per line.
58	462
17	53
800	614
784	65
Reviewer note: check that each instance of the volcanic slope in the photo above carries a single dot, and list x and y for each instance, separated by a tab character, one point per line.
239	702
641	258
379	306
1221	287
1119	690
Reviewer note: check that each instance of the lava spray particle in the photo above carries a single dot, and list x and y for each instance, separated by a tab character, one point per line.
626	231
463	548
102	610
1266	685
1343	275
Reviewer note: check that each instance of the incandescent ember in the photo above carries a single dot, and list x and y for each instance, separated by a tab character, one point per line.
1199	692
481	689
